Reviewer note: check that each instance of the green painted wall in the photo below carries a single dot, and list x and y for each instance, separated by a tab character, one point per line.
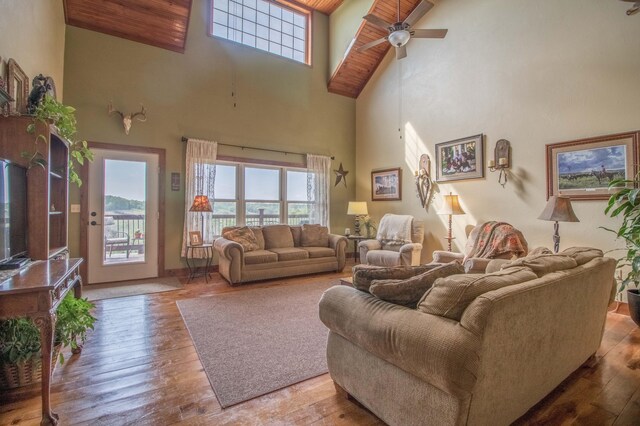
280	104
33	35
344	23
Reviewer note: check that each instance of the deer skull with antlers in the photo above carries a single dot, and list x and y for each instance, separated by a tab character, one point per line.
127	119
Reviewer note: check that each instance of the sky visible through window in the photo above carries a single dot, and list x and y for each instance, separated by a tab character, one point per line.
263	25
126	179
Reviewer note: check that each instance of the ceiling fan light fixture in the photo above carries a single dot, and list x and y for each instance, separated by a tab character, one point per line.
399	38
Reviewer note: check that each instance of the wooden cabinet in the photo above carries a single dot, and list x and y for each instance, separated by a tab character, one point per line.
47	187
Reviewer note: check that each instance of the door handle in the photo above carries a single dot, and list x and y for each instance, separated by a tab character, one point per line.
94	223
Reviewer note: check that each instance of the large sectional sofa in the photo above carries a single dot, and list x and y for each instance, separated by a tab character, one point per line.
280	254
485	363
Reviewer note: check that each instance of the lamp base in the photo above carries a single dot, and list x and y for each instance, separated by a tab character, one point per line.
356	226
556	237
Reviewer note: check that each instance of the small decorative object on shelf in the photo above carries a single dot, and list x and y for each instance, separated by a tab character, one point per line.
18	88
195	238
41	86
501	160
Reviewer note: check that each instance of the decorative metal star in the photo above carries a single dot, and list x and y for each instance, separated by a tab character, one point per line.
341	175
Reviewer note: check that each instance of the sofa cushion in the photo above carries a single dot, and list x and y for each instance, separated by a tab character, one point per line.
277	236
314	236
450	296
583	255
257	231
542	264
296	232
385	258
364	275
315	252
260	256
243	236
290	253
408	291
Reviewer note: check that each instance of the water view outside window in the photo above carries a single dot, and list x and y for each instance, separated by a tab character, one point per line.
124	211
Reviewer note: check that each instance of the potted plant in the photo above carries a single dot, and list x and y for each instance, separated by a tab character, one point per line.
625	203
20	362
64	119
369	225
137	234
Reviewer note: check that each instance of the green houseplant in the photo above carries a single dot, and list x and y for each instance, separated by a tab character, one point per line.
20	342
64	119
625	204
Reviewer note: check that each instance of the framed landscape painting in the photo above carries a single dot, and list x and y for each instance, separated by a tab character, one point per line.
386	185
582	169
460	159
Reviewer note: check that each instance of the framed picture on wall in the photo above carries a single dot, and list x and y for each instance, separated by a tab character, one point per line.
460	159
18	88
386	185
582	169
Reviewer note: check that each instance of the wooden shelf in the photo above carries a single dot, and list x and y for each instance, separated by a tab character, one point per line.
55	175
52	213
56	250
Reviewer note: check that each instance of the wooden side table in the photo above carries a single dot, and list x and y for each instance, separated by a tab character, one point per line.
199	270
36	293
356	239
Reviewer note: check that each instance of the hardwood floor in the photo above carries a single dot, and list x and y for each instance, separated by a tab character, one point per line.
140	367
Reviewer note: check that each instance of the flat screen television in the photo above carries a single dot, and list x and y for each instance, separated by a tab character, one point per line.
13	215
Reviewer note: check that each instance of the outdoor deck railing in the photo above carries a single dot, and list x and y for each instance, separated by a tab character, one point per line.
130	223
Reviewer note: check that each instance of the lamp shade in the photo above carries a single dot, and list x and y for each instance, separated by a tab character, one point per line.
451	205
357	208
558	209
201	204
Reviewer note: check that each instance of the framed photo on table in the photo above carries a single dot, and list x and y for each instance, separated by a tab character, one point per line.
195	238
386	185
460	159
582	169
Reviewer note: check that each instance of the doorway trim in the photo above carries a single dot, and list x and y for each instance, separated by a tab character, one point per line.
84	202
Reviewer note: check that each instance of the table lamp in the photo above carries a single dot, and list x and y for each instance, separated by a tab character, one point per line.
359	209
451	207
558	209
201	204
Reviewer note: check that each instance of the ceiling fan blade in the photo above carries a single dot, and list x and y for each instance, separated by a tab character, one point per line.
401	52
421	9
378	22
371	44
429	33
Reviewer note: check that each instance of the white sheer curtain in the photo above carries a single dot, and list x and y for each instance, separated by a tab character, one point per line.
318	186
199	180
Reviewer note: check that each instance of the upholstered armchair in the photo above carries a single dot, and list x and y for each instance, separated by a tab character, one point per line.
499	240
386	254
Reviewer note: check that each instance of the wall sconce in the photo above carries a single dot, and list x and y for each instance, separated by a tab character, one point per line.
501	161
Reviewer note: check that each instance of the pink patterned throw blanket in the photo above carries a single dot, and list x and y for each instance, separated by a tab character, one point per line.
498	239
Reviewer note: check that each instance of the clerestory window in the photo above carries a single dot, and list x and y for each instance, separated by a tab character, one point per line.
266	25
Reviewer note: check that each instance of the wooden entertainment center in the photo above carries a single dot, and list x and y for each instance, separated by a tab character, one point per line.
37	290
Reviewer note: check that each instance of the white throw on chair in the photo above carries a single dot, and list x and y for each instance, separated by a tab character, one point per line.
398	242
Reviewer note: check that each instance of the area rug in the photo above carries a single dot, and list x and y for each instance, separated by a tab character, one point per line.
253	342
130	288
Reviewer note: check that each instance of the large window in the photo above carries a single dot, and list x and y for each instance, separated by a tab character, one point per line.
264	25
252	195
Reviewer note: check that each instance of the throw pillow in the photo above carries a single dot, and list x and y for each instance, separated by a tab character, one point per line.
408	291
542	264
243	236
450	296
314	236
583	255
364	275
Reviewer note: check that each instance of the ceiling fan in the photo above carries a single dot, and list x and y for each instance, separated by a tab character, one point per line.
635	8
401	32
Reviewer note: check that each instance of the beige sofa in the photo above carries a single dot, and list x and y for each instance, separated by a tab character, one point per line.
511	347
279	255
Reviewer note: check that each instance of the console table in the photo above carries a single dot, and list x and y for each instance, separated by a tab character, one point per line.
36	292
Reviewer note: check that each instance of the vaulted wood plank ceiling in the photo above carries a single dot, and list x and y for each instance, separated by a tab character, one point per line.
355	70
160	23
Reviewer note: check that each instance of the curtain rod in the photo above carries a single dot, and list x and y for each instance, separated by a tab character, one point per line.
185	139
